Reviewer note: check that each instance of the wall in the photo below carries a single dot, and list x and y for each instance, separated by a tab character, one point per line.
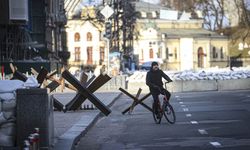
196	86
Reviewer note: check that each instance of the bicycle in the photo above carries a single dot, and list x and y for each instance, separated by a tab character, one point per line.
165	109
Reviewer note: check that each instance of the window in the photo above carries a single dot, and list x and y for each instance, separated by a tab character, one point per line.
175	53
159	54
221	53
77	37
77	54
149	15
151	53
200	58
102	55
89	36
167	53
89	55
142	54
215	55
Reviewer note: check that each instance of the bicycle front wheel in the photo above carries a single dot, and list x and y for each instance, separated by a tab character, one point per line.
169	113
156	114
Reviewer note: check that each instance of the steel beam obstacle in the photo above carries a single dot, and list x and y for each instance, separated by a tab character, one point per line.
136	100
84	92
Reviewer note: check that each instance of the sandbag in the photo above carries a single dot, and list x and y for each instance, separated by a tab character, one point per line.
8	129
2	118
8	105
7	96
8	141
7	86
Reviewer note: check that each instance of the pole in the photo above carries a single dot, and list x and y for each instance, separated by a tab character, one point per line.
108	67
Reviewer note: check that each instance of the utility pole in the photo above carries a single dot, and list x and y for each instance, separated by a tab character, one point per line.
107	12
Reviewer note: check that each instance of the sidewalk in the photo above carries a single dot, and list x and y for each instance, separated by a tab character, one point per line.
69	127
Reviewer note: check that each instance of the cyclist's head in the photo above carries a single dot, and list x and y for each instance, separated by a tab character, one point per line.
154	65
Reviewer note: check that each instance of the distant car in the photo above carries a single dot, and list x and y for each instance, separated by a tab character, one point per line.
146	65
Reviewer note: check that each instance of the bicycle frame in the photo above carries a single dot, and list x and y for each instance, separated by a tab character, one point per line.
162	107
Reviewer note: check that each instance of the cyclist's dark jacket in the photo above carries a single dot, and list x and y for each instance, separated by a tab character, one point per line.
154	80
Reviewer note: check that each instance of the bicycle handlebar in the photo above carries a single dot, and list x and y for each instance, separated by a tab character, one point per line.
165	83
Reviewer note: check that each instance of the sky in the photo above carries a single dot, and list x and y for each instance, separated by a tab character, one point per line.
152	1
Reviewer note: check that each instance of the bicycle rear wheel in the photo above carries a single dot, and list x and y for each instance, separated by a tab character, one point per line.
169	113
157	115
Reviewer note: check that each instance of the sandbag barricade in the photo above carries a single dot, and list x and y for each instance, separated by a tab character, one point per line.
7	111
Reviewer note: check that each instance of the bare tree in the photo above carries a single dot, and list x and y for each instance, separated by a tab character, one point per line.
181	5
243	11
240	33
213	12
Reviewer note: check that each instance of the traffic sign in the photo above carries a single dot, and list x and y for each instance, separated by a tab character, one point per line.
107	12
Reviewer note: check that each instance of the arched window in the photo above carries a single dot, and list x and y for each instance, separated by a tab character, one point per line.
175	53
77	54
167	53
89	55
77	37
151	53
89	36
215	55
200	58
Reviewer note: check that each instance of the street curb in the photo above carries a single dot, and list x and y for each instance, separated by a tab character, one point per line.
71	137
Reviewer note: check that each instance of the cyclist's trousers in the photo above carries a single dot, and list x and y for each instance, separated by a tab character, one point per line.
156	95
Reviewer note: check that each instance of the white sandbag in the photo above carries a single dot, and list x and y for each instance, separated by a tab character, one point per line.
6	140
7	96
8	129
8	86
9	115
2	118
8	105
31	82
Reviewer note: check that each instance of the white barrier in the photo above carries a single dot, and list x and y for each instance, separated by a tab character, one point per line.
238	84
196	85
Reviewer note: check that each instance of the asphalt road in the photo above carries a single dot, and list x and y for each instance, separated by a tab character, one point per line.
205	121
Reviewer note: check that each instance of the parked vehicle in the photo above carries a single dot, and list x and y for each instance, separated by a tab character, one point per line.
146	65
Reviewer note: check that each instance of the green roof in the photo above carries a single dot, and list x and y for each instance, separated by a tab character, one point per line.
190	33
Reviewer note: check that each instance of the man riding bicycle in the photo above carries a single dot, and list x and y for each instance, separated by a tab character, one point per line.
154	81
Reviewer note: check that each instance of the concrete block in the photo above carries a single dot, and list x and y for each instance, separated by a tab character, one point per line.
175	86
237	84
34	110
199	85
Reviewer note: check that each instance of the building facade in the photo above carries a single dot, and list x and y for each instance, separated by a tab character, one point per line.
178	41
179	45
32	34
86	44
